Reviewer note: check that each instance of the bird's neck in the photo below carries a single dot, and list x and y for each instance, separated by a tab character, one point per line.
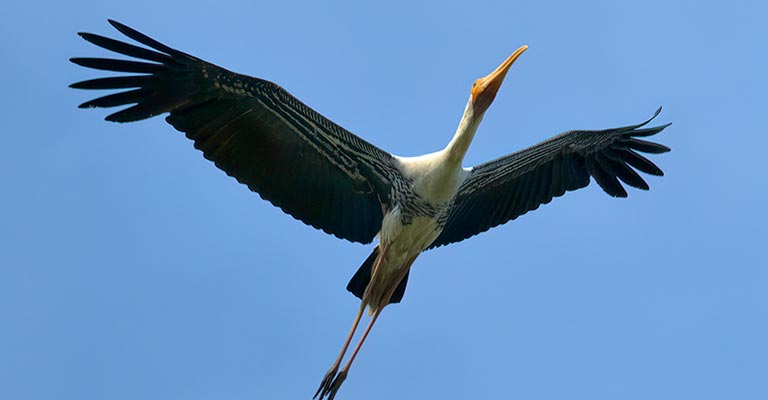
458	146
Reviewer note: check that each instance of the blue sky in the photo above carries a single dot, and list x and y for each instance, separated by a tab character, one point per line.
131	268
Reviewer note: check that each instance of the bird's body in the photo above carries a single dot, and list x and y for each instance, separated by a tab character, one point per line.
419	213
331	179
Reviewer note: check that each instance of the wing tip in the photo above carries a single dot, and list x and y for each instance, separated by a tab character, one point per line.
77	60
117	25
647	121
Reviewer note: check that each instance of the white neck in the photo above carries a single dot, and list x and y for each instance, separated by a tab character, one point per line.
436	176
458	146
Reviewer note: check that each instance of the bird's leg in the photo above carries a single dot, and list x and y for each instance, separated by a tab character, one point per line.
342	375
384	247
328	379
400	276
379	307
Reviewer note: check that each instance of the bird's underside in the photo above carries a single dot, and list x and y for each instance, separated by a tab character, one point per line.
333	180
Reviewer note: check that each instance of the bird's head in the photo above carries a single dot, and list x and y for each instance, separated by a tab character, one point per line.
483	92
484	89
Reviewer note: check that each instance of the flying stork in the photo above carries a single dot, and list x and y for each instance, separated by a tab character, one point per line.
331	179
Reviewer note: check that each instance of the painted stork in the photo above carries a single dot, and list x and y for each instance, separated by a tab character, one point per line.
327	177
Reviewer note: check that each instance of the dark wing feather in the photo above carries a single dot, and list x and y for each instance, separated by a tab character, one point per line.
502	190
253	130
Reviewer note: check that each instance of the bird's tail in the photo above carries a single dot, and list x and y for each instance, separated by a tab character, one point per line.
360	280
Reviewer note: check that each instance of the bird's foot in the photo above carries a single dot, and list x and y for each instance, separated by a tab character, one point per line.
331	383
325	385
336	384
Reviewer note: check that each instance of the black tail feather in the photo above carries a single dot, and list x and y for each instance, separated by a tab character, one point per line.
360	280
399	292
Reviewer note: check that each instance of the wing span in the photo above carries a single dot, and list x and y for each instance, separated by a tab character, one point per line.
253	130
508	187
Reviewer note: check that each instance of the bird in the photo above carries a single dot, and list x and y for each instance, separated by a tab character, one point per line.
331	179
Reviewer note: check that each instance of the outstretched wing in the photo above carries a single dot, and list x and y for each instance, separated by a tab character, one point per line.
506	188
253	130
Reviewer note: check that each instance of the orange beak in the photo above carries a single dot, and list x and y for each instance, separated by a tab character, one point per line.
484	90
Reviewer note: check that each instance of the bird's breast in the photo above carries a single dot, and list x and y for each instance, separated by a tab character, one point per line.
433	178
401	243
410	227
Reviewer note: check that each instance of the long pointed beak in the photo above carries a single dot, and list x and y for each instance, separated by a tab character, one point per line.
484	90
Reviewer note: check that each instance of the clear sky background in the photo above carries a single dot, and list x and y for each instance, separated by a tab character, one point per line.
131	268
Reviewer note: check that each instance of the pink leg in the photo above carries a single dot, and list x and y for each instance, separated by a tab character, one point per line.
334	387
328	378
